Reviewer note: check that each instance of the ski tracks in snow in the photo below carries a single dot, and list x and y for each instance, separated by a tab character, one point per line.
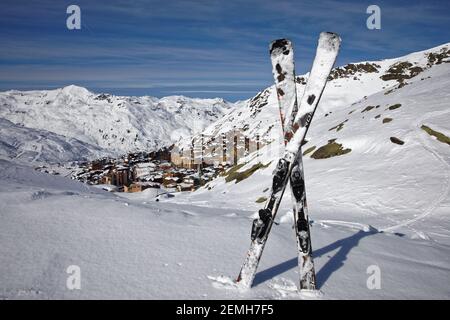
446	187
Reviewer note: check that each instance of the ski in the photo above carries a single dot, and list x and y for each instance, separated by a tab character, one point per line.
283	69
327	50
306	269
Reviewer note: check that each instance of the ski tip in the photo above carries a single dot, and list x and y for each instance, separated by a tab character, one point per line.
329	40
279	46
329	35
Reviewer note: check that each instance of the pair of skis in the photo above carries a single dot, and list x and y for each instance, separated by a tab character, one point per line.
295	120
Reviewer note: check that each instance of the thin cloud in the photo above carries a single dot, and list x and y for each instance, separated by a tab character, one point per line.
192	45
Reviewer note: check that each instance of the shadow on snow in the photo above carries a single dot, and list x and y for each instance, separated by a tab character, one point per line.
332	265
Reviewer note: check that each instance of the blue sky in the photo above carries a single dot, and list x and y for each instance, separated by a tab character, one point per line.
198	48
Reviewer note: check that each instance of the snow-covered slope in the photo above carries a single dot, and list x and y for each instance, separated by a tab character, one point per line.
114	124
36	145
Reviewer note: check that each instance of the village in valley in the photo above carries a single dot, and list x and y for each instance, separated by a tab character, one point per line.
177	168
136	172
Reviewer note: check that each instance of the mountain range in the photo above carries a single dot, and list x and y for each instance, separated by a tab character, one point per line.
72	123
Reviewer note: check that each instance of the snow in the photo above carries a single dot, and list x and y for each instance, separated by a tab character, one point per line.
382	204
43	146
169	250
106	187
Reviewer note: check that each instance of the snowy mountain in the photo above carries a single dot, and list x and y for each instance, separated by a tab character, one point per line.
347	85
36	145
104	124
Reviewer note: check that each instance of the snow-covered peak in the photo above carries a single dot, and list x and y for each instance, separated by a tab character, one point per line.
76	91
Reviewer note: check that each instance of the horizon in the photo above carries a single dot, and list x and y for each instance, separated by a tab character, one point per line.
193	48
